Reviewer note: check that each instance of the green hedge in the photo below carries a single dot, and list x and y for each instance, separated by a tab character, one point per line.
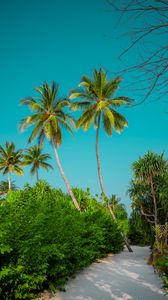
44	240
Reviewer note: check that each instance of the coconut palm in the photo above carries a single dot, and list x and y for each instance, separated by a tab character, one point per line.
48	117
11	161
36	159
115	204
99	105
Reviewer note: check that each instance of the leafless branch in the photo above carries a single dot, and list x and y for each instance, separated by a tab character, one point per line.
151	20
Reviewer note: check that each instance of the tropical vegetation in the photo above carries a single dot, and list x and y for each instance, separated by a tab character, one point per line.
44	240
47	235
149	193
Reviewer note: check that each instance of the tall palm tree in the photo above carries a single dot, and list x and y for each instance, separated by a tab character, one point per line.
98	106
11	161
36	159
48	117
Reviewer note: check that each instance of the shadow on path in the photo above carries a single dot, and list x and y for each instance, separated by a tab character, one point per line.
124	276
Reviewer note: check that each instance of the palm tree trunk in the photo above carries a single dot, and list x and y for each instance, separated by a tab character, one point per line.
102	186
37	177
9	180
64	177
98	160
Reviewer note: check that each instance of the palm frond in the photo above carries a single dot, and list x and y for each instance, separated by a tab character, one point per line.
32	104
36	131
87	115
80	105
119	101
111	87
107	125
45	165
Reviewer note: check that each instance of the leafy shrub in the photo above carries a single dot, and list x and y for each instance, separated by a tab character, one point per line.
44	240
160	262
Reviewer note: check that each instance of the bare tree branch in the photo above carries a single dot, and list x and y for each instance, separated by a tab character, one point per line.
149	34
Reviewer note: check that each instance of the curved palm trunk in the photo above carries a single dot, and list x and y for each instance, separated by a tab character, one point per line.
64	177
102	186
9	180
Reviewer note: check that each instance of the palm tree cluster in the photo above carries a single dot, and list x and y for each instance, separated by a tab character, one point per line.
49	114
12	161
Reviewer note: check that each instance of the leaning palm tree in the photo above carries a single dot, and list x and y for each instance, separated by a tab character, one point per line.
36	159
98	106
11	161
48	117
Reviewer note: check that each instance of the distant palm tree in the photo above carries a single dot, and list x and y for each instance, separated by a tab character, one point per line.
48	117
114	202
4	187
11	161
98	106
36	159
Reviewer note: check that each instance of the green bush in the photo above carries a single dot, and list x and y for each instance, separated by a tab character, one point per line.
44	240
161	264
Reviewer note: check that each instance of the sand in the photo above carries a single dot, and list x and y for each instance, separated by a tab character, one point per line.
124	276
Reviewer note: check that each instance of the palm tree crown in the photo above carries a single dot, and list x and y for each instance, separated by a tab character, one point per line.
36	159
48	116
11	160
98	101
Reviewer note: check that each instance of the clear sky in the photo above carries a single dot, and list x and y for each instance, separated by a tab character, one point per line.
61	41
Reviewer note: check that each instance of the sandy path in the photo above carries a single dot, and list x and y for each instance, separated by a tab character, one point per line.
124	276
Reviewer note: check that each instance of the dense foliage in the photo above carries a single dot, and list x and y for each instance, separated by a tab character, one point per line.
148	222
44	240
140	232
148	190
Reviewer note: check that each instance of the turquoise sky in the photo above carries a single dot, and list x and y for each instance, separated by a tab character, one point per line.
61	41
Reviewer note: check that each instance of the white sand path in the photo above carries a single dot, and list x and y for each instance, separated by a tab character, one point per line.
124	276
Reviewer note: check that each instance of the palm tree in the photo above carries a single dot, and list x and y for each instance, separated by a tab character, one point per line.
36	159
48	117
98	106
114	203
10	161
